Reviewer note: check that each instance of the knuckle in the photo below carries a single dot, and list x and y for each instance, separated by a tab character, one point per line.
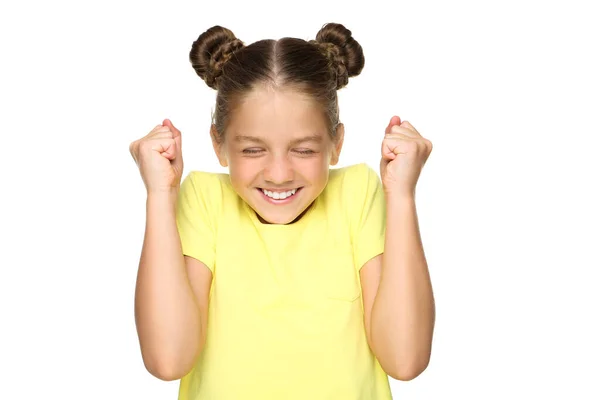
399	130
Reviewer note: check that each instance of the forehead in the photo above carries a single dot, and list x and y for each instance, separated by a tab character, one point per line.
275	114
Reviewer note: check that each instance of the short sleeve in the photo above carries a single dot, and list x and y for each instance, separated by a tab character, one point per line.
194	222
370	216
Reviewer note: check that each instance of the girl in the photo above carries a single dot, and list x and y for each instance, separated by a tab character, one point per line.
283	279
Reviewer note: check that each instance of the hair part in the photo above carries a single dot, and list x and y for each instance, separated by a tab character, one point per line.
317	68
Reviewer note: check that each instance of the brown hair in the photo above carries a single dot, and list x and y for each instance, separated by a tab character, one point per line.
317	68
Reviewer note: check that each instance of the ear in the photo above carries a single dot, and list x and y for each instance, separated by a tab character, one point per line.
339	142
218	146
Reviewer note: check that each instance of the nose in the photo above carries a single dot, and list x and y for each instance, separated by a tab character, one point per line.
279	170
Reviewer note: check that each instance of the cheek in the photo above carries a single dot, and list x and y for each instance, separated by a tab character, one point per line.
317	169
246	169
242	169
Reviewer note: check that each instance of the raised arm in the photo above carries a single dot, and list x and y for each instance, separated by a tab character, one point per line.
171	297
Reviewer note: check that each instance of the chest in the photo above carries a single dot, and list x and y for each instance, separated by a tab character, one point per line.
316	266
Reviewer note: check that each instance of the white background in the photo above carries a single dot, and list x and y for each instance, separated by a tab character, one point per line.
507	91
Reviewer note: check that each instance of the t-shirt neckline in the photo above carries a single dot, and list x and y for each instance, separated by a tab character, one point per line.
302	221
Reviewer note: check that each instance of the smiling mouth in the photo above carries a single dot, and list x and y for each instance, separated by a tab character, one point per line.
275	196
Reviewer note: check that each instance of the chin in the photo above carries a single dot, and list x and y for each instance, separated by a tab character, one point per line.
275	220
278	214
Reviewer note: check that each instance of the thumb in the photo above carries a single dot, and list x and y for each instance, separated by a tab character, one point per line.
176	132
394	121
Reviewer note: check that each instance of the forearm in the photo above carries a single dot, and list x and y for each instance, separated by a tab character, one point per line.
167	315
403	311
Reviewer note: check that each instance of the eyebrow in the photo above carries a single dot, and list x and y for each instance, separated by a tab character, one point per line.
311	138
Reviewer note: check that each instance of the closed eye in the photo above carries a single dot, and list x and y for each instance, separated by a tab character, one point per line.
256	151
308	151
251	151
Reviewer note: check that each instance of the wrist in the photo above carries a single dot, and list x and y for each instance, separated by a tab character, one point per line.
162	197
396	197
163	192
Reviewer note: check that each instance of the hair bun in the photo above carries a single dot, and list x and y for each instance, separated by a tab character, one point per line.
342	50
211	51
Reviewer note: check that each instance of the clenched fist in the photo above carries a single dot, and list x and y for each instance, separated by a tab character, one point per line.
158	156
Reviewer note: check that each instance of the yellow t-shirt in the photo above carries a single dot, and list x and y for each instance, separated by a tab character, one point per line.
285	317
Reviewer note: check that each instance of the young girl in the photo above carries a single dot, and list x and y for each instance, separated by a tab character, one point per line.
283	279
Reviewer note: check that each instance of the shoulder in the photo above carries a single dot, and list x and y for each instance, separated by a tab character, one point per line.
196	177
204	189
204	182
356	178
352	171
350	187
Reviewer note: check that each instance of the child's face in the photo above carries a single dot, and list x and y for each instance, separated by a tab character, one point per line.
276	160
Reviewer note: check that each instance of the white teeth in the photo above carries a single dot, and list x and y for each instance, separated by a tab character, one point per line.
279	195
